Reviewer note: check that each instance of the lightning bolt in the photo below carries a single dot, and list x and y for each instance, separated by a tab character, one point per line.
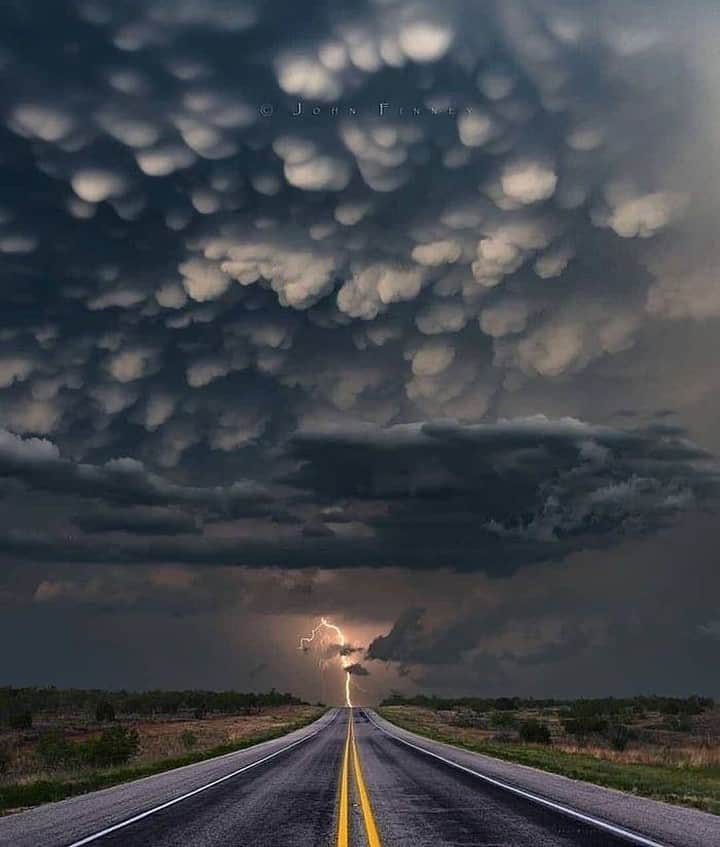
306	640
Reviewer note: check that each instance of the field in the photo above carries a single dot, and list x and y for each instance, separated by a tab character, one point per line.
79	746
670	757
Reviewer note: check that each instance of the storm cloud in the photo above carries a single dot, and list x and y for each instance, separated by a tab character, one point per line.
358	287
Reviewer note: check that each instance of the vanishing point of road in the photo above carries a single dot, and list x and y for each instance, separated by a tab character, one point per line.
353	780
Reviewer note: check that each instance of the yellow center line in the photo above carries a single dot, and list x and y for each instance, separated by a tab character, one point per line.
343	827
371	830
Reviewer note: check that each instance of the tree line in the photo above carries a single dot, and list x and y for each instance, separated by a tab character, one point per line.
582	708
19	705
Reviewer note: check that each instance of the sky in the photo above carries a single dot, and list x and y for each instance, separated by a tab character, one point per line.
397	312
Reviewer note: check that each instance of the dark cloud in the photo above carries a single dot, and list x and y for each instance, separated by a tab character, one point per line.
377	337
401	643
341	650
356	669
205	277
481	497
317	529
37	463
137	521
522	490
589	627
348	650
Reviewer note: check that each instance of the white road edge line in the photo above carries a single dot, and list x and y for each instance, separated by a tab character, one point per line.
633	837
94	837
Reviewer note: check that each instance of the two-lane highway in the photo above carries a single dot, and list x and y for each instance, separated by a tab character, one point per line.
349	779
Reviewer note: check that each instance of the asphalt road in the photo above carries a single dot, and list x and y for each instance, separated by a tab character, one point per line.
353	784
419	801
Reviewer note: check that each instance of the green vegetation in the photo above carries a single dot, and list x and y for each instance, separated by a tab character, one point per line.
619	737
503	720
534	732
107	754
680	780
115	746
19	705
189	739
577	709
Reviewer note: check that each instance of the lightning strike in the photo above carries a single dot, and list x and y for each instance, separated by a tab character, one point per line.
345	660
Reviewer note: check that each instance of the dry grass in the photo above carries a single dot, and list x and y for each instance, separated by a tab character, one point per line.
676	766
163	739
681	756
697	748
160	738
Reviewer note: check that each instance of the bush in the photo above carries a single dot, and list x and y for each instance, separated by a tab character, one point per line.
502	719
584	726
5	760
534	732
55	751
115	746
619	737
104	711
189	739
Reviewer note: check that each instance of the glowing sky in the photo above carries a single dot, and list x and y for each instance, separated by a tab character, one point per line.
437	361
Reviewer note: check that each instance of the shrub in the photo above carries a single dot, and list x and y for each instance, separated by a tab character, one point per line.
534	732
5	760
189	739
104	711
502	719
584	726
619	737
55	751
115	746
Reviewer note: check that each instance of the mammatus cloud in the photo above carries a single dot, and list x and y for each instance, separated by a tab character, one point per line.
481	205
365	292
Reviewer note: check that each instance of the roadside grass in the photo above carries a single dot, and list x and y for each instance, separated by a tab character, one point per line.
22	795
697	786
